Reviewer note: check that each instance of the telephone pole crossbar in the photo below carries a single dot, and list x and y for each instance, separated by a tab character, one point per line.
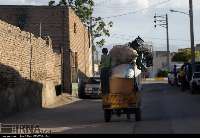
163	22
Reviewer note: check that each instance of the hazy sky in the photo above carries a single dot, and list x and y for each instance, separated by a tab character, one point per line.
129	26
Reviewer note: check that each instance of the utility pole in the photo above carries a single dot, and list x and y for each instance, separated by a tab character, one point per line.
163	22
92	39
168	51
192	35
40	29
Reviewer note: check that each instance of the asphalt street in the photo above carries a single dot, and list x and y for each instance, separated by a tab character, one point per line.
165	110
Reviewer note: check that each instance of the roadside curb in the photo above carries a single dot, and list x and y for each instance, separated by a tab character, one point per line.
155	79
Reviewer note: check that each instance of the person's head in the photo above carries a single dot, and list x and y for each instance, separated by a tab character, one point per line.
105	51
174	66
182	67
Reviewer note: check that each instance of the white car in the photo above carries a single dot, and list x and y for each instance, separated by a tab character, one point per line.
92	87
195	82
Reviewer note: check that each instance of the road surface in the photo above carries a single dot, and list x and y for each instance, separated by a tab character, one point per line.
165	110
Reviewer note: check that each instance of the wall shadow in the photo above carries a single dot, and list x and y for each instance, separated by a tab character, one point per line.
17	93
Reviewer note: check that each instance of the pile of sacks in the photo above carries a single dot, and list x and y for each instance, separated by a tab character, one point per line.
122	55
123	59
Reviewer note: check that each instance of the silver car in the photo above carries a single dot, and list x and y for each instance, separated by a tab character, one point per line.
92	87
195	82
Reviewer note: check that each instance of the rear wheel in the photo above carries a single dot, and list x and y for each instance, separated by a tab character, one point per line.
138	115
194	88
128	116
107	115
81	92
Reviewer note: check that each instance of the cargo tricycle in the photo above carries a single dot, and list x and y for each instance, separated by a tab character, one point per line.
123	98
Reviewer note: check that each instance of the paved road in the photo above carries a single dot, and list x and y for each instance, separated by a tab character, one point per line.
164	110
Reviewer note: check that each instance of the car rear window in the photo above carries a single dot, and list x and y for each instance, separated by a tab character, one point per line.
93	80
196	75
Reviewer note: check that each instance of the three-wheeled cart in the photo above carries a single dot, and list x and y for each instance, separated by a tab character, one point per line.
123	98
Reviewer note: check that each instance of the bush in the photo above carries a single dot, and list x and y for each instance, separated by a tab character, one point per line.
162	73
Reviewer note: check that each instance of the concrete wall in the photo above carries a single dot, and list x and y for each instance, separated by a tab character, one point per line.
159	62
27	64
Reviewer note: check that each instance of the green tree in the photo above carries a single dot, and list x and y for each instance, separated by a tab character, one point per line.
184	56
62	3
84	10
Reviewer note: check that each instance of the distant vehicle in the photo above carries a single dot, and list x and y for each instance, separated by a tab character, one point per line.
195	82
197	67
90	88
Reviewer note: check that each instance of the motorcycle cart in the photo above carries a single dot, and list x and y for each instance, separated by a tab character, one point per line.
123	98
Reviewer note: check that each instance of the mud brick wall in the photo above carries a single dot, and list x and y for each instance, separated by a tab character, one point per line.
26	63
59	23
80	43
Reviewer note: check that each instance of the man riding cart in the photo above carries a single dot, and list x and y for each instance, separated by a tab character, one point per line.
120	83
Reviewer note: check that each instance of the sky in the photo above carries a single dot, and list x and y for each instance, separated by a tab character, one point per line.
137	19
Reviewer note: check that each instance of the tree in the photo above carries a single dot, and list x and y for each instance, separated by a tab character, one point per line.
181	57
62	3
100	29
84	10
184	56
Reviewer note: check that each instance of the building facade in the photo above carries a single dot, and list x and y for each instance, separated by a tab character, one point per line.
70	38
159	62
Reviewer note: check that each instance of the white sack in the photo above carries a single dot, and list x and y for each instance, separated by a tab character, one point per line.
124	71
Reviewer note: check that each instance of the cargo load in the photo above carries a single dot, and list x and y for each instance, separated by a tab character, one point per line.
122	55
124	62
125	71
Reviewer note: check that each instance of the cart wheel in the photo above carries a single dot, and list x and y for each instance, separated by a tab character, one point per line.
118	113
128	116
138	115
107	115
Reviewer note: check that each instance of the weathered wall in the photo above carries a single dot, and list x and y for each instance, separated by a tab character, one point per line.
37	19
80	43
55	22
26	64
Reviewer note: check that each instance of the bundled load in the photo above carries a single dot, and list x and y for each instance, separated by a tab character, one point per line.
123	62
125	71
122	55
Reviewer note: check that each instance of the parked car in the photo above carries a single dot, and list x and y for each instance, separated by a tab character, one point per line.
195	82
90	88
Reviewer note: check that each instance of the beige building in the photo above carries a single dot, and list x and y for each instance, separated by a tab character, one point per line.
159	61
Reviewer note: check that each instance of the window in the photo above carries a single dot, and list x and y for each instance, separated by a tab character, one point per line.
75	28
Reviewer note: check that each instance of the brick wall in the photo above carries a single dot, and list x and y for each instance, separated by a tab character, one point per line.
80	43
26	63
57	23
44	19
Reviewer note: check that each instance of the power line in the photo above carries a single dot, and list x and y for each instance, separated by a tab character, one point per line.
124	35
154	5
113	6
161	44
102	2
